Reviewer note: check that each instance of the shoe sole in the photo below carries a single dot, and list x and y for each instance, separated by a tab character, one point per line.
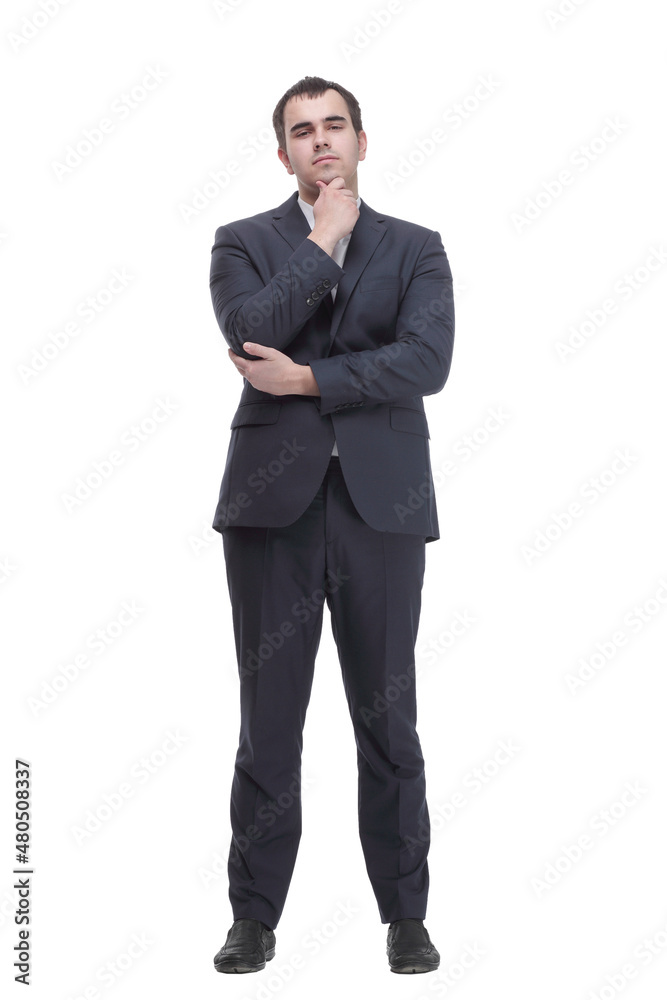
413	967
229	965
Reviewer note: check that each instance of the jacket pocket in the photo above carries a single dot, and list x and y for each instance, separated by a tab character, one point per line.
256	413
403	418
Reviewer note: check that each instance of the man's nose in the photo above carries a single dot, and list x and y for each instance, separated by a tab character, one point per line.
321	140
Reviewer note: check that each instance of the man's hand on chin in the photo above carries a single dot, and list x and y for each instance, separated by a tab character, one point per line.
275	372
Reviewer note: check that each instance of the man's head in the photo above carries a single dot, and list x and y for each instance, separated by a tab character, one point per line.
319	132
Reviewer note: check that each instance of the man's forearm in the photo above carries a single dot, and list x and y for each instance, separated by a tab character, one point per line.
416	362
272	314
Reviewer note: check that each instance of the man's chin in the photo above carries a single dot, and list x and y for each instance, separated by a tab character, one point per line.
328	175
311	187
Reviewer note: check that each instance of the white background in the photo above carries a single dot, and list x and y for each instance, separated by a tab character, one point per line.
502	887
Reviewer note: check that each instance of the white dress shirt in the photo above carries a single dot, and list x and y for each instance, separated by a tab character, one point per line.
338	254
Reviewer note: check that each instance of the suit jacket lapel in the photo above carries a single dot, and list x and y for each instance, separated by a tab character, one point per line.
366	235
290	221
293	226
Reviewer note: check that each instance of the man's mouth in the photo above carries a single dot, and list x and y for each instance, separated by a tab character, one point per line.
327	156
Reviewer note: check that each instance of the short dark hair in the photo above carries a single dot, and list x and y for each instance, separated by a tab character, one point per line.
314	86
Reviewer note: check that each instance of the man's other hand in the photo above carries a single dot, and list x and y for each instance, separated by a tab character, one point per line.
275	372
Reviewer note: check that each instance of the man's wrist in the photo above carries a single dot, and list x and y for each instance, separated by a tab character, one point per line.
324	241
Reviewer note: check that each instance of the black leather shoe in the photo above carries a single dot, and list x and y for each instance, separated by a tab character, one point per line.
409	948
249	946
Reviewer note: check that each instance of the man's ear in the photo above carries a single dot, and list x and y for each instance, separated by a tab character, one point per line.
284	159
363	143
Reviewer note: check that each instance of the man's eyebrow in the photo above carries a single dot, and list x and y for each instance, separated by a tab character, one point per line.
329	118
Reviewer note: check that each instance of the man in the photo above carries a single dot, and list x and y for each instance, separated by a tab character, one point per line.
340	320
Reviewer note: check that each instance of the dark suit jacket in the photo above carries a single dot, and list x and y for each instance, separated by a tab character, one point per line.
382	345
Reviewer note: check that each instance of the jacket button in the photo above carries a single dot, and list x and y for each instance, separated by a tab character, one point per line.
310	302
315	295
326	283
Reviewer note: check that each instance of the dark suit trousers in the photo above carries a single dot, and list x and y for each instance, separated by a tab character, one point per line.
279	580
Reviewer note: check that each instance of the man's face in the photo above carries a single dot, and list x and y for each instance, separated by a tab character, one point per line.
321	143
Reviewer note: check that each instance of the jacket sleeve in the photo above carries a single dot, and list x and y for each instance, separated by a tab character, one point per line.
417	363
269	314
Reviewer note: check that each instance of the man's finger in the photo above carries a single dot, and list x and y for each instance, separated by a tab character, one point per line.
262	352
